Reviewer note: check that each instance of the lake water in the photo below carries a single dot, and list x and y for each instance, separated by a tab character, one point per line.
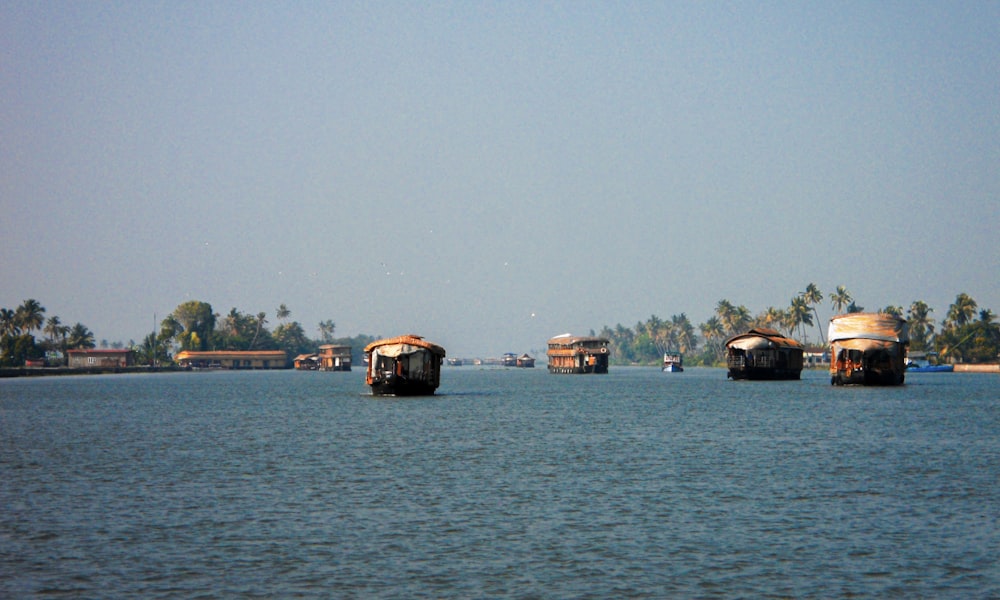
508	483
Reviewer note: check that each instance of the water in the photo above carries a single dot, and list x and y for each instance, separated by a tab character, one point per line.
508	483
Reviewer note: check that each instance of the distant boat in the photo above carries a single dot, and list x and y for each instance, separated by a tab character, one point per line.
570	353
509	359
455	362
403	366
920	362
673	362
868	349
525	361
763	353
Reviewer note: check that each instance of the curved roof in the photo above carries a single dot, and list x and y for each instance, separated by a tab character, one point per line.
406	340
568	339
869	326
761	337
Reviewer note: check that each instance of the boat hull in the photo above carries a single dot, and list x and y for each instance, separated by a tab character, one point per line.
931	369
397	386
764	374
673	369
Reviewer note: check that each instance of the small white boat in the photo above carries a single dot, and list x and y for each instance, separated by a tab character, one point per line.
673	362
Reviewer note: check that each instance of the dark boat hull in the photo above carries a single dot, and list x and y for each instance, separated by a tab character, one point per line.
764	374
401	387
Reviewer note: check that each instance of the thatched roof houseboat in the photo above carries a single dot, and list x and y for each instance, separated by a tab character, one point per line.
526	361
868	349
763	353
570	353
406	365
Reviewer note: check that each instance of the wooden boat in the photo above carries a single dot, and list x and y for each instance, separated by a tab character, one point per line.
673	362
868	349
926	362
406	365
763	353
569	353
526	361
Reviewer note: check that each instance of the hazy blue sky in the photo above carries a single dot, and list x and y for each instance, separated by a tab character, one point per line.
452	169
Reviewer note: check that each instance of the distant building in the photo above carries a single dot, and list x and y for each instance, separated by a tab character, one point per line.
102	357
334	358
233	359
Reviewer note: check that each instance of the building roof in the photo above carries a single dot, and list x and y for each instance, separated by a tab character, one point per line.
98	350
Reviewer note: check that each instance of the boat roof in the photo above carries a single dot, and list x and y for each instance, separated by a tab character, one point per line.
869	326
406	340
761	337
569	338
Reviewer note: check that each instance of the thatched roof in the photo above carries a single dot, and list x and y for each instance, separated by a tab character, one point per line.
568	339
869	326
406	340
761	337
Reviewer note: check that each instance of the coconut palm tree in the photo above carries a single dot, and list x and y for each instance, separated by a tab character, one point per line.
283	313
80	337
52	327
714	332
326	329
261	319
30	315
799	314
962	310
921	325
840	299
8	323
813	296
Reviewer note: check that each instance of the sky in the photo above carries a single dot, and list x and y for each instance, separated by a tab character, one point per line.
491	174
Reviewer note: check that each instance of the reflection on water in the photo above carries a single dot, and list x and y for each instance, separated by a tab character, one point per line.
507	483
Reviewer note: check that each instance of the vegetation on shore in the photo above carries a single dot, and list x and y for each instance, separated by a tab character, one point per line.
966	334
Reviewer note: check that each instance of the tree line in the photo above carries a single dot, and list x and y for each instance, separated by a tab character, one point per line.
966	333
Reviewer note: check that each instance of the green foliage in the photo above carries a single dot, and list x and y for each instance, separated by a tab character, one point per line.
14	350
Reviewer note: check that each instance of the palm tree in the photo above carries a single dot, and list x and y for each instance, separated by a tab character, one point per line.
8	322
713	332
80	337
896	311
799	315
326	329
921	324
261	319
840	299
52	327
29	315
283	313
813	296
962	310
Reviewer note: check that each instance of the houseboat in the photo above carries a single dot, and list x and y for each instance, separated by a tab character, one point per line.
525	361
868	349
763	353
335	357
673	362
509	359
570	353
406	365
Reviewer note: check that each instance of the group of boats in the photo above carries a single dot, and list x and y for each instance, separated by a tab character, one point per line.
865	349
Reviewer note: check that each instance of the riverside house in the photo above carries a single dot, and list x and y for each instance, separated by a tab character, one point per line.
233	359
100	357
